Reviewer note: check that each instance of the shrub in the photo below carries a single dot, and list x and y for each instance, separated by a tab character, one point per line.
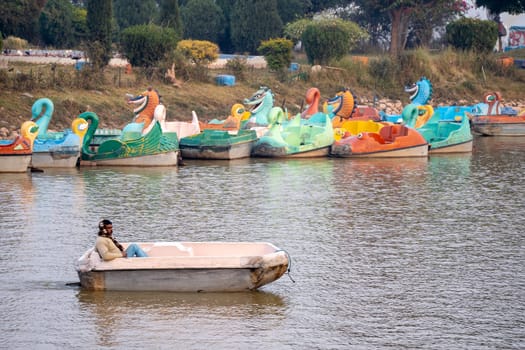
277	52
472	34
237	66
198	51
14	43
329	39
146	45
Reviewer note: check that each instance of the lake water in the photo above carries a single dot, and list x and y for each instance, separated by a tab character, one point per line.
386	254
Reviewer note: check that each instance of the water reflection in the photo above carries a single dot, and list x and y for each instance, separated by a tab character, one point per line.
113	312
15	190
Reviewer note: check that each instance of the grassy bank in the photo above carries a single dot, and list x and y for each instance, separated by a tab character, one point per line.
457	78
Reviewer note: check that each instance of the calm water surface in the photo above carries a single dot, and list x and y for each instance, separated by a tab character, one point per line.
386	254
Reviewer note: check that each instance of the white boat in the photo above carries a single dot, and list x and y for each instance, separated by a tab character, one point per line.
186	267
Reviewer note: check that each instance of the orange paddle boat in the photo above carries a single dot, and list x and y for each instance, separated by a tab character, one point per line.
15	155
490	119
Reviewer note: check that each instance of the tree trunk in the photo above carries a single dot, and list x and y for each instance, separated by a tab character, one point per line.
399	32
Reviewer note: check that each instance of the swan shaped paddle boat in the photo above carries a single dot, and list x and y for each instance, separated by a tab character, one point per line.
15	155
297	138
491	119
55	149
446	131
133	147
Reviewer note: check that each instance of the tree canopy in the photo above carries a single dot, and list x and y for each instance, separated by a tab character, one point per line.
499	6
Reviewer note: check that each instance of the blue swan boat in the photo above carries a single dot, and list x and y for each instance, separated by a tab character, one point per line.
55	149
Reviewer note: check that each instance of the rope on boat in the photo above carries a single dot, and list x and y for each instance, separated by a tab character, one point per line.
289	264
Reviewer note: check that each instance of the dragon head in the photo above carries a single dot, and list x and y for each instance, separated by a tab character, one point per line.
421	91
341	105
260	104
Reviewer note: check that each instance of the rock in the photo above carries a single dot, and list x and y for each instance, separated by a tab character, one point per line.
4	132
316	69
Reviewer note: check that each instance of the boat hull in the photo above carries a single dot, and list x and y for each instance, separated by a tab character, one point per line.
464	147
226	152
187	267
17	163
268	151
499	129
61	159
345	151
152	160
498	125
179	280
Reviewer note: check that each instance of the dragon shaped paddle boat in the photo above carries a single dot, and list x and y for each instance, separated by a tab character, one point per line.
388	140
491	119
446	129
55	149
342	107
136	146
149	108
296	138
15	154
420	94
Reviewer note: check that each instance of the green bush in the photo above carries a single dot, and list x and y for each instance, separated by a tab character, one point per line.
472	34
329	39
146	45
277	52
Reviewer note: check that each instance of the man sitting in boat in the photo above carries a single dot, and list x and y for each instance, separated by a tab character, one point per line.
109	248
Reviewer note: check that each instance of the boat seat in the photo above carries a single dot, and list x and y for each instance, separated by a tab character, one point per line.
387	133
390	132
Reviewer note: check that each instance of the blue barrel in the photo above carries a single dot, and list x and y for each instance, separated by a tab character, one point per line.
79	65
225	80
294	67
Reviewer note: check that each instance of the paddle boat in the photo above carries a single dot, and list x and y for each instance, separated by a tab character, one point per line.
420	95
491	119
446	129
55	149
218	144
343	107
136	146
380	140
295	138
150	107
234	137
15	154
256	116
186	267
232	122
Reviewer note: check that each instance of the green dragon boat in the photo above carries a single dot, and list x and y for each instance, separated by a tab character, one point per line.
132	147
